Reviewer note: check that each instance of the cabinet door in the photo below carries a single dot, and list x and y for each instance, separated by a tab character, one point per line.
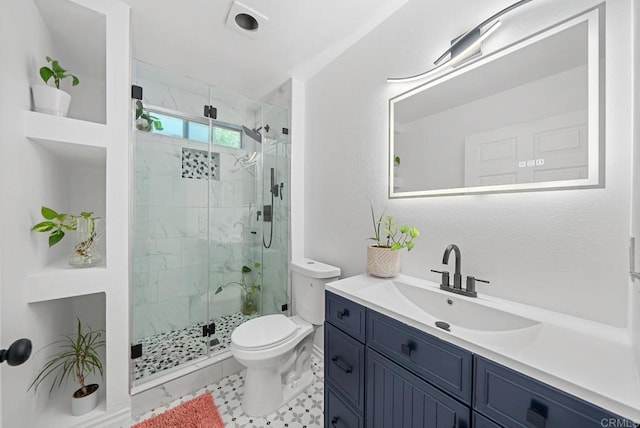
348	316
515	400
444	365
398	398
344	365
338	414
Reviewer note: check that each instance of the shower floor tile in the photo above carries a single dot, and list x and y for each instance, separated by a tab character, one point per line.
171	349
304	411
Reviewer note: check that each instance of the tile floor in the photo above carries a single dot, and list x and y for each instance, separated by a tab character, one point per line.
304	411
167	350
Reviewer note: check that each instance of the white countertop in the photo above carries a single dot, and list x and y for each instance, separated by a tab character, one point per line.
590	360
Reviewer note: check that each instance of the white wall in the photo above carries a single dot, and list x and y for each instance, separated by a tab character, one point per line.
634	289
22	175
561	250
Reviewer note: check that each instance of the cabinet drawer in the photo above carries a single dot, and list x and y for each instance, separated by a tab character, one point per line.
515	400
480	421
344	365
444	365
338	414
348	316
397	398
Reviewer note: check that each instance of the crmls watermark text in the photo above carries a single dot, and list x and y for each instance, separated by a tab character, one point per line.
617	423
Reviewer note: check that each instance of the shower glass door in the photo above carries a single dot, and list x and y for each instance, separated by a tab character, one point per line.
235	256
170	274
211	219
275	195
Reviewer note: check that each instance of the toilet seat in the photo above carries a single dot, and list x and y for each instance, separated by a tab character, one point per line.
263	332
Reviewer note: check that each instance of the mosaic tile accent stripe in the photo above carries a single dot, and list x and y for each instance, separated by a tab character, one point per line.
304	411
167	350
195	164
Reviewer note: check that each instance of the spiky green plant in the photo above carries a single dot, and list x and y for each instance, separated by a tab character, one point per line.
397	237
77	357
57	72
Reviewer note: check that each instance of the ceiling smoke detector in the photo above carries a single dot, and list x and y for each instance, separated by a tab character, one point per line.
244	19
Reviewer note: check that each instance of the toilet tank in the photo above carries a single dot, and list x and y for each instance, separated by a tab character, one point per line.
308	278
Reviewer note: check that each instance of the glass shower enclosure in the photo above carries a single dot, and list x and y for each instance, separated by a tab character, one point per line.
210	231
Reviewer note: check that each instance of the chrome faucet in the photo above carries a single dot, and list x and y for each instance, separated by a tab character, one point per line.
457	277
470	289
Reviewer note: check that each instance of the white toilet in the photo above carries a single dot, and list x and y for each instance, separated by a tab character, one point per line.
275	349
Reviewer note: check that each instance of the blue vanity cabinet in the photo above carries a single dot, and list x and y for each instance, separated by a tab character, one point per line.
346	315
398	398
480	421
344	363
382	373
442	364
515	400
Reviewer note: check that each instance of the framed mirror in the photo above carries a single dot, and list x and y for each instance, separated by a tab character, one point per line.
527	117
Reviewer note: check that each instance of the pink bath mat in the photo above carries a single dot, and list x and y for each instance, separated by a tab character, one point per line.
201	412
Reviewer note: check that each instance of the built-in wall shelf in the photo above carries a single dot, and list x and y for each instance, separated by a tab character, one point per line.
69	138
80	163
60	282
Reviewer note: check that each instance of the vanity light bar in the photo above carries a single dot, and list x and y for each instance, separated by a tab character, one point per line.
455	58
417	76
453	62
469	50
493	17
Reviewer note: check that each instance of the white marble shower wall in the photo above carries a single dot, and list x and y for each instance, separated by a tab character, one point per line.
174	217
276	152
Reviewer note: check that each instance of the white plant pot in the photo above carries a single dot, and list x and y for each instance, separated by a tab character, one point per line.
50	100
83	405
382	262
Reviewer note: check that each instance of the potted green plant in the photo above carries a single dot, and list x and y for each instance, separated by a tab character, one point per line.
77	356
144	121
383	257
52	99
250	286
85	251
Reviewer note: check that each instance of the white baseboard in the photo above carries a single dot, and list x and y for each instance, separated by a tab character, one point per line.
120	419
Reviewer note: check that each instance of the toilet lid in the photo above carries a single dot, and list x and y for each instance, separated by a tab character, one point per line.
264	331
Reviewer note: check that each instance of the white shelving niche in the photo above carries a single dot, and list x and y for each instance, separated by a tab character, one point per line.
86	159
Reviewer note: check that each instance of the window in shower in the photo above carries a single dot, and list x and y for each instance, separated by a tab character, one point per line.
223	134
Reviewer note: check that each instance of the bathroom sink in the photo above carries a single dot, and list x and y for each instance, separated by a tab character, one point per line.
461	312
433	304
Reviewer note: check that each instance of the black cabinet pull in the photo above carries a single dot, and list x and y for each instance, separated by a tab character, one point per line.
342	313
536	419
334	421
341	364
406	349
